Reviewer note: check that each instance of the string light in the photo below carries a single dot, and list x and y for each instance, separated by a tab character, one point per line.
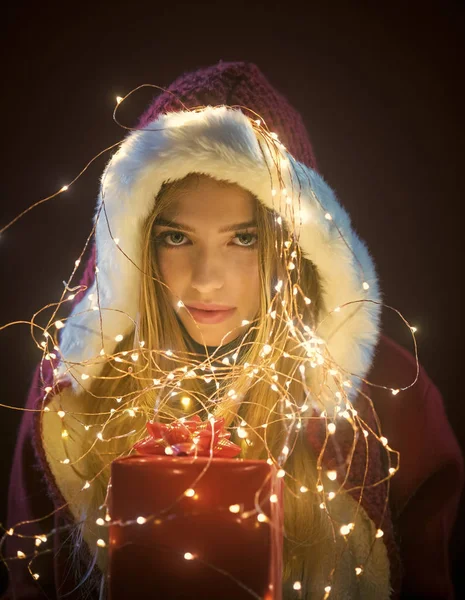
283	316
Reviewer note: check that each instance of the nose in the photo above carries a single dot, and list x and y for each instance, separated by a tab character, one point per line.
208	270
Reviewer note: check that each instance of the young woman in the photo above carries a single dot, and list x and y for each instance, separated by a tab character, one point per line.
226	280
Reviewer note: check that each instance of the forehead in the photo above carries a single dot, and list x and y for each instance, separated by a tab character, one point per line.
209	203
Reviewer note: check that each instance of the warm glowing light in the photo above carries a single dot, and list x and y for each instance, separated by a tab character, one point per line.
331	495
185	401
345	530
188	556
100	521
59	324
366	286
379	533
245	322
64	188
331	428
413	329
35	576
64	433
234	508
281	473
169	451
303	489
392	471
101	543
297	585
332	475
273	498
262	518
20	554
319	488
358	570
119	337
86	485
61	413
141	520
242	433
328	217
395	392
119	99
189	493
383	440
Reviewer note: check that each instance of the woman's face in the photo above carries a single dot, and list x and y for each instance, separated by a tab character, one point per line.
207	252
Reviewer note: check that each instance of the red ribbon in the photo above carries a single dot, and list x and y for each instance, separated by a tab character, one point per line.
192	437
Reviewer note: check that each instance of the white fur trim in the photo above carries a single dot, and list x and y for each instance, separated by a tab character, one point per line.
221	142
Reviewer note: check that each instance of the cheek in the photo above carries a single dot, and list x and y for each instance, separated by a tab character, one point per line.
247	282
172	270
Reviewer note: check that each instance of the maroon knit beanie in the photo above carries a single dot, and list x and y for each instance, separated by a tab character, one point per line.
234	83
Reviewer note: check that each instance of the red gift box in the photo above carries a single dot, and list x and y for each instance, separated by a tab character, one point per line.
195	545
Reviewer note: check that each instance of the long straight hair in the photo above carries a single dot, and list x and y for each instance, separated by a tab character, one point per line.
158	345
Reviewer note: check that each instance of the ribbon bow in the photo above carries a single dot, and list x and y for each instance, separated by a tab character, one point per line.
189	437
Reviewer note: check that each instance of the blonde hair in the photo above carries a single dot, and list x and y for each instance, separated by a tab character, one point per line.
307	528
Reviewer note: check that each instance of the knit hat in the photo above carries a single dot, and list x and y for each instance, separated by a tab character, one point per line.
222	141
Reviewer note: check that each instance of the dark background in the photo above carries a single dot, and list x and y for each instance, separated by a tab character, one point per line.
379	87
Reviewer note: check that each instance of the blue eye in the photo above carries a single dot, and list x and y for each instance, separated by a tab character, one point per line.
176	238
249	239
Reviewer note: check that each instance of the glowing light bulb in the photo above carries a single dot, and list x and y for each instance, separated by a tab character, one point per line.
331	428
35	576
245	322
180	304
188	556
101	543
64	188
86	485
267	349
365	433
262	518
59	324
185	401
141	520
327	589
242	433
331	495
20	554
366	286
258	122
303	489
319	488
273	498
64	433
84	376
119	99
413	329
379	533
358	570
331	475
281	473
100	521
345	530
61	413
328	217
395	392
383	440
135	357
169	451
392	471
189	493
66	461
119	337
234	508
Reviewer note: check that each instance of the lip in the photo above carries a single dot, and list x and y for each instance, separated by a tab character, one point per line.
210	317
209	306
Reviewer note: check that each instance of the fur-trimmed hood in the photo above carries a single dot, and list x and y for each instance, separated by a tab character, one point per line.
224	143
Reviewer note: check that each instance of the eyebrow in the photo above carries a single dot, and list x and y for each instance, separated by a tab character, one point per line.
176	225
